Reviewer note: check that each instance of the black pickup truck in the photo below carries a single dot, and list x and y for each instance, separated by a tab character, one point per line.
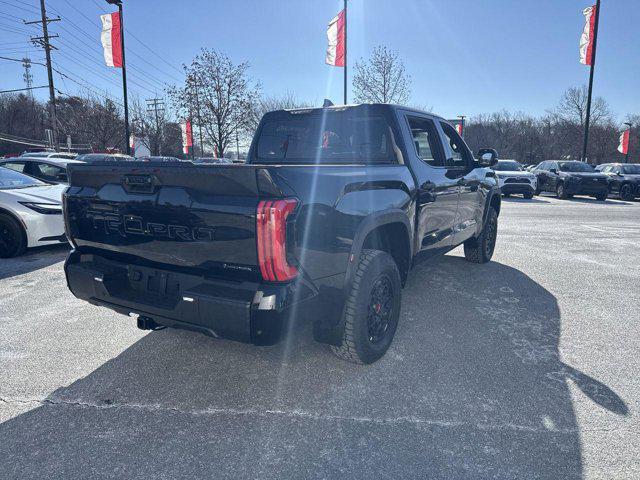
323	224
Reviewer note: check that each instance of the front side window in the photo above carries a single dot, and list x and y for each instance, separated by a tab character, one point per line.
576	167
47	171
425	140
631	169
461	156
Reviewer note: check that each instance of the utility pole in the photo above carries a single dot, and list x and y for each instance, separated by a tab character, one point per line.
156	106
44	42
237	147
593	64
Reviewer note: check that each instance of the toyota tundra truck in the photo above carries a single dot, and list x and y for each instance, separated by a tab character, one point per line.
323	223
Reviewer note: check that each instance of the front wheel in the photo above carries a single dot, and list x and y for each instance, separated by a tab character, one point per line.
601	197
561	192
372	310
13	241
528	196
480	249
626	192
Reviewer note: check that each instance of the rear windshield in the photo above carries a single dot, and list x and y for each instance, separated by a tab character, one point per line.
326	137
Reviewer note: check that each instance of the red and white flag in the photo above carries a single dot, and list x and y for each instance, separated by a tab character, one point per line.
586	39
187	136
624	142
335	35
111	39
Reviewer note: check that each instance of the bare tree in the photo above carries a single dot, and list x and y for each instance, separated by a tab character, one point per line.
226	95
287	101
381	79
573	107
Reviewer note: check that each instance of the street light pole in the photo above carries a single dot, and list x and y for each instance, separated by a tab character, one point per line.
127	132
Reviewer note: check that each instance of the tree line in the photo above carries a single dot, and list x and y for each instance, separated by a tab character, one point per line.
224	105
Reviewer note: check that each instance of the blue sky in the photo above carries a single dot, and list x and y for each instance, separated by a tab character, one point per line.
464	56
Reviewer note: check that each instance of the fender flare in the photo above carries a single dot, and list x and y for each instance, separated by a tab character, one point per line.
494	192
368	224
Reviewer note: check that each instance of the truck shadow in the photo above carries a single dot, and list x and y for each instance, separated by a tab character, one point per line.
473	387
33	259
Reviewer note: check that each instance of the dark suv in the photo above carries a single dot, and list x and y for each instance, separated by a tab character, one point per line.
569	178
624	179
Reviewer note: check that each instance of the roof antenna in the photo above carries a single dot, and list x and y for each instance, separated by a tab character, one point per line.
327	103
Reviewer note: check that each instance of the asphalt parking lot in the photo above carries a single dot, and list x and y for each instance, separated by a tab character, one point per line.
526	367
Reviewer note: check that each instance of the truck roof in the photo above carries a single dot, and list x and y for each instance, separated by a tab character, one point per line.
369	106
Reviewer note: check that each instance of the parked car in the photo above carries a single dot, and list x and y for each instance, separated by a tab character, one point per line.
50	154
624	179
323	223
568	178
211	160
512	178
160	159
51	169
30	213
100	157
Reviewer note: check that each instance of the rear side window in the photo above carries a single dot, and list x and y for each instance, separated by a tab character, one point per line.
425	140
326	137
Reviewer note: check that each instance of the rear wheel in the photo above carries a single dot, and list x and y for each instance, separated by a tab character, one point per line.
372	310
528	196
626	192
480	249
13	241
561	192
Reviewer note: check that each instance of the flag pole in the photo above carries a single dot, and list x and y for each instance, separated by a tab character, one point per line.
345	52
593	65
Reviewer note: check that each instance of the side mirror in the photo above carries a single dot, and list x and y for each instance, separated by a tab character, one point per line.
553	170
487	157
62	177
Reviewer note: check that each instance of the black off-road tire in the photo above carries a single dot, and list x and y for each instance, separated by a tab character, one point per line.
602	196
13	240
626	192
374	266
480	249
528	196
561	192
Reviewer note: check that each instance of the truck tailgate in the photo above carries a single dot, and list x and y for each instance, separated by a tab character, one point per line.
185	216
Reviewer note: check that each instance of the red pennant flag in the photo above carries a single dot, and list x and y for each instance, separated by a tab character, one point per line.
111	39
335	35
586	40
187	136
624	142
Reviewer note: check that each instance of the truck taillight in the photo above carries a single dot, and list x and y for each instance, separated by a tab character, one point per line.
271	223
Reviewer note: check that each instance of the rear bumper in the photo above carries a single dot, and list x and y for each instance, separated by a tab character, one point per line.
242	311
